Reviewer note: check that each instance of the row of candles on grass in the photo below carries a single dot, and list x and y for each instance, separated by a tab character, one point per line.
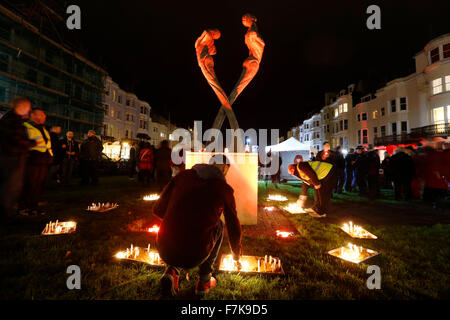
59	227
268	264
102	206
135	253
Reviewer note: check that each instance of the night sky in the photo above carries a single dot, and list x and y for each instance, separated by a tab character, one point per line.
311	47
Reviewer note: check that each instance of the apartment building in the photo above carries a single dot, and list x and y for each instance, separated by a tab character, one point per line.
406	110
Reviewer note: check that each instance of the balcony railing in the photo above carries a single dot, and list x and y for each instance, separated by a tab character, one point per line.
435	130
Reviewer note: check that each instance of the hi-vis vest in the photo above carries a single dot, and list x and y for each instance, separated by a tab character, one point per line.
35	134
321	168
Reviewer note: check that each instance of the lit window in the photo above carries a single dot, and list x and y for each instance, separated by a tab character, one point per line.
340	108
114	95
446	50
447	83
375	114
438	115
112	112
437	86
345	107
434	54
336	112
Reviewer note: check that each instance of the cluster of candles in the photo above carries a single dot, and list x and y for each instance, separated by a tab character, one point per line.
135	253
59	227
276	197
293	208
353	253
154	229
151	197
102	206
266	264
357	231
284	234
269	208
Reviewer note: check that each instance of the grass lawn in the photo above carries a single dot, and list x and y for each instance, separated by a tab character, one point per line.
414	242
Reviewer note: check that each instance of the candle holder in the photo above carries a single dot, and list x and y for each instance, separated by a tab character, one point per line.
353	253
57	227
357	232
252	265
139	254
294	208
276	197
151	197
102	207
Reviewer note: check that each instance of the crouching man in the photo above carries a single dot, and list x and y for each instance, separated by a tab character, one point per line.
191	231
318	175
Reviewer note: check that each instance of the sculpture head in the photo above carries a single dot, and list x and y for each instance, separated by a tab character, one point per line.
215	33
248	20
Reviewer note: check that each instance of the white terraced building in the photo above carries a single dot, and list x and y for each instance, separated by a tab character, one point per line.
406	110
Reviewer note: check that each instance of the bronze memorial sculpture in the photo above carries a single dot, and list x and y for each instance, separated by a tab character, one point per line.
205	49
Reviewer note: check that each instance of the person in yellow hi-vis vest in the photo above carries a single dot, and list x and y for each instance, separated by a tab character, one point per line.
39	159
319	175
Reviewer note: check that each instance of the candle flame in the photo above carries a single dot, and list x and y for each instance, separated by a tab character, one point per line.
284	234
276	197
269	208
357	231
154	229
294	207
151	197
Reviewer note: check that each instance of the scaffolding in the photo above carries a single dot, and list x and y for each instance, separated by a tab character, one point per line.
68	87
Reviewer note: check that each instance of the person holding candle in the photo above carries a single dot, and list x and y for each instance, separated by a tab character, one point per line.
191	231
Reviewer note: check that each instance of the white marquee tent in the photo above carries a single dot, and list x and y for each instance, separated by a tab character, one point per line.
288	149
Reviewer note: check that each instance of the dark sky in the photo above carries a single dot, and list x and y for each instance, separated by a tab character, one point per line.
311	47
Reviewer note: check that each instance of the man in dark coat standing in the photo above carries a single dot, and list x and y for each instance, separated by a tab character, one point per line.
55	167
90	155
349	162
191	231
403	171
70	154
163	169
340	169
14	145
361	168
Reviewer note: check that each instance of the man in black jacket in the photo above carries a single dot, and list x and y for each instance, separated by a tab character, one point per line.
14	144
55	167
69	158
90	154
350	159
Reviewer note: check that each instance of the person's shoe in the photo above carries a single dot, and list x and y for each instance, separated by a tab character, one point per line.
204	287
313	213
169	282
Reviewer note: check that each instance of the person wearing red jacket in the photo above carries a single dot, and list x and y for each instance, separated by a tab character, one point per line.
191	230
146	163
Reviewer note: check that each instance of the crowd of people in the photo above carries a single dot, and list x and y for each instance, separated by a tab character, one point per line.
33	155
411	172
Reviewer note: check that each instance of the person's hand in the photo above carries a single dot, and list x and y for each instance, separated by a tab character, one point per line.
318	186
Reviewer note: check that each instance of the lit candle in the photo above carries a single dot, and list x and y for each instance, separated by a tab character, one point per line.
148	248
259	265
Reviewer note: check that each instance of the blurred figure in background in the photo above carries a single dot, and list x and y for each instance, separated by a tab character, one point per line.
146	164
14	145
340	169
69	158
163	170
90	155
373	172
40	157
313	157
387	171
132	160
349	162
326	154
361	168
403	171
55	168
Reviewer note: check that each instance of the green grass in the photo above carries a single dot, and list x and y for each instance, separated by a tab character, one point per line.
414	259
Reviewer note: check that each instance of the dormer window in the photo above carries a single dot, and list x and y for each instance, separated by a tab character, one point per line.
446	50
434	55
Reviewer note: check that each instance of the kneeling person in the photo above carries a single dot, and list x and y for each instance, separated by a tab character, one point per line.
319	175
191	231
